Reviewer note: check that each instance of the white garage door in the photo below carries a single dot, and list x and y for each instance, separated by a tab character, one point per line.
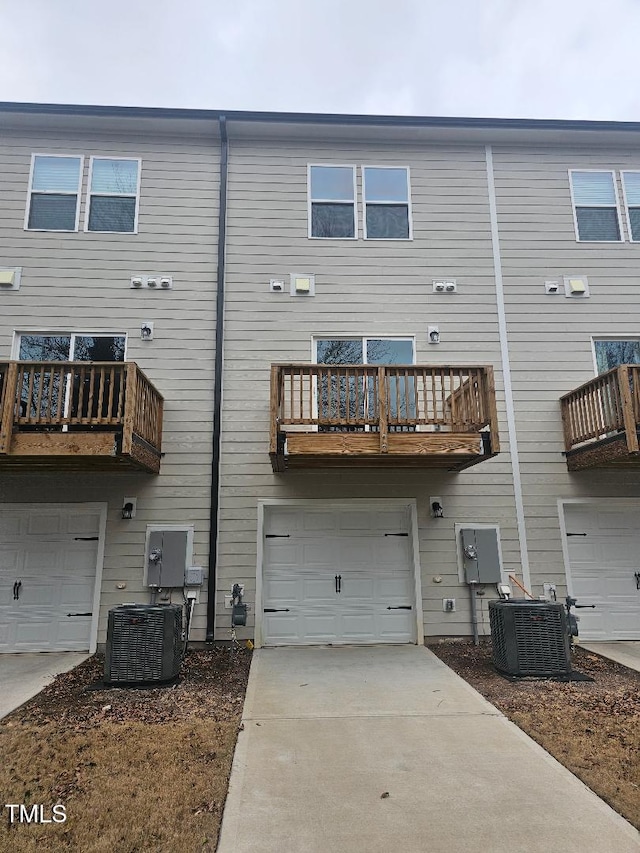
48	556
337	577
604	557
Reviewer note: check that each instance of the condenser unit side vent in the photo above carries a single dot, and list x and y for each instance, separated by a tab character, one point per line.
530	637
143	644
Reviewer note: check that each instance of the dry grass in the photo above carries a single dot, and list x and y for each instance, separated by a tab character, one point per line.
592	727
137	770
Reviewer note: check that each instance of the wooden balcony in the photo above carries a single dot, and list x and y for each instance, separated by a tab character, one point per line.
601	420
397	416
78	415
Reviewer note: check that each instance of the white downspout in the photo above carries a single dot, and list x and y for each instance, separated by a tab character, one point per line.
506	371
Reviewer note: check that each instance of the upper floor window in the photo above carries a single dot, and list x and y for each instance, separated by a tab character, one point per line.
385	193
332	201
54	193
612	352
595	201
631	190
113	195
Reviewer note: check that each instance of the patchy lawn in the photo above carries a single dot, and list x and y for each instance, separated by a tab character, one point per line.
593	728
135	769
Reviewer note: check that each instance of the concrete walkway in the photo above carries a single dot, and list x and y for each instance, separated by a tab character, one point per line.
24	675
381	749
625	652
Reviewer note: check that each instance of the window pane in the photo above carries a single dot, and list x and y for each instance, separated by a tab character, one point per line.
593	188
339	352
112	214
44	347
388	221
53	212
332	183
634	219
56	173
103	348
386	184
389	352
632	187
332	220
114	176
612	353
598	223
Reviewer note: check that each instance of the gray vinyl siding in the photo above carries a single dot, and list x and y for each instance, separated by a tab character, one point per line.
363	287
550	336
80	282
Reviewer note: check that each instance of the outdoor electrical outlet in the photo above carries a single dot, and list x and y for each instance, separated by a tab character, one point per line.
449	605
227	602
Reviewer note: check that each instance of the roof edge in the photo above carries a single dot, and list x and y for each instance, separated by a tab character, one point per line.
336	119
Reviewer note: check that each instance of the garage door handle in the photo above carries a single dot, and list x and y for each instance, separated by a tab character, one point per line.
276	610
80	614
401	607
16	590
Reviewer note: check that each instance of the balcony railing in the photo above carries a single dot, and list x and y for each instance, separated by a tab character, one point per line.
601	420
400	415
78	414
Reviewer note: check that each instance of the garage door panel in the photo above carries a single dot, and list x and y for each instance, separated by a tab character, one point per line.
57	575
602	567
300	576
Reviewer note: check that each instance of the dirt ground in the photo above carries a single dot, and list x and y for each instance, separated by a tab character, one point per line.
136	769
592	727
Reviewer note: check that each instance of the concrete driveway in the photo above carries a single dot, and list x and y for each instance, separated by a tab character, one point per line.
376	749
625	652
24	675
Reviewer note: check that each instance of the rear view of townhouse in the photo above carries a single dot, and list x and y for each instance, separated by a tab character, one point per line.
349	363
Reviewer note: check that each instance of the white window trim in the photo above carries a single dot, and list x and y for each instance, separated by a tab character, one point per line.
372	337
624	172
632	336
18	333
54	192
612	172
135	195
383	203
311	200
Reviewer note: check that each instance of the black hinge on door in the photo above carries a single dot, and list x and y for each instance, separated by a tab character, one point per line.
576	534
338	580
16	590
276	536
276	610
396	534
401	607
86	538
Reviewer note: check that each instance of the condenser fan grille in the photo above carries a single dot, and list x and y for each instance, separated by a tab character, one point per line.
530	637
143	643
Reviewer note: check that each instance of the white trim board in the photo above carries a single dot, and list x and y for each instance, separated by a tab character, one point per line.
410	504
506	372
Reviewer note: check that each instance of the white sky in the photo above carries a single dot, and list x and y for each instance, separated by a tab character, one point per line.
498	58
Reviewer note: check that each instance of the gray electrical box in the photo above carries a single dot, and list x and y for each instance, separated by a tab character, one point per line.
194	576
481	555
167	558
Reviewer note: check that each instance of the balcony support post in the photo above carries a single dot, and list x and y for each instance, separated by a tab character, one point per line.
383	412
7	413
130	402
628	415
